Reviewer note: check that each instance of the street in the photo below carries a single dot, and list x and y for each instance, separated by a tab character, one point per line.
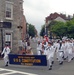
65	69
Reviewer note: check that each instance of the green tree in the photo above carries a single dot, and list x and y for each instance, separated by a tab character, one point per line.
31	30
42	32
59	29
70	28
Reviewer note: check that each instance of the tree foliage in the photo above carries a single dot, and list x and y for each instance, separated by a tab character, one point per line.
42	31
60	29
31	30
64	29
70	27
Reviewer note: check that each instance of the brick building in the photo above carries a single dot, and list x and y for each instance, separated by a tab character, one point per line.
12	24
55	17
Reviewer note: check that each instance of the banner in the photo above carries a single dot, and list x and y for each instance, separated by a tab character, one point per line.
28	60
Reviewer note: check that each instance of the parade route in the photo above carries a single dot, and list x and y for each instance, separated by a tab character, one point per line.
66	69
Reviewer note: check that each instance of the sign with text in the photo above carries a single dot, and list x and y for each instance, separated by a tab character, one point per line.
28	60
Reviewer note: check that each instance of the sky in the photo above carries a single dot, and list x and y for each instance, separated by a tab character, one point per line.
36	11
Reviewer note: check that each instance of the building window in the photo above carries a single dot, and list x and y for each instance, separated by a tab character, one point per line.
8	39
9	10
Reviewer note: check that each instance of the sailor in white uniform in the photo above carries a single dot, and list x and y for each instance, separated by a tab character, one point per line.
39	48
69	50
6	51
72	49
57	45
66	51
45	44
61	52
50	54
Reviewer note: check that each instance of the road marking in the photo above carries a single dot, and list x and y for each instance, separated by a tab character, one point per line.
8	73
13	72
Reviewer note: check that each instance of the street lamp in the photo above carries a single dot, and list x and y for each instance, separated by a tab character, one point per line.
27	30
1	27
46	29
50	35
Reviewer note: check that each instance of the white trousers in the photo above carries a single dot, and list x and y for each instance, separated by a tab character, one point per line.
50	59
60	59
57	54
69	55
65	53
6	59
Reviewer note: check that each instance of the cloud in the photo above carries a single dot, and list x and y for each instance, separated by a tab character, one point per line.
35	17
36	10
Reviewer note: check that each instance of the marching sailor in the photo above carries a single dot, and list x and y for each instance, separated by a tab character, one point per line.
39	48
50	54
69	50
45	44
61	52
57	45
6	51
66	51
72	49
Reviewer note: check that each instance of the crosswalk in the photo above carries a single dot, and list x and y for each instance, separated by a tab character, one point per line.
13	72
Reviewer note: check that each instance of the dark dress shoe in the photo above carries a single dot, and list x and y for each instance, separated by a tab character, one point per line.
52	62
50	68
60	63
6	65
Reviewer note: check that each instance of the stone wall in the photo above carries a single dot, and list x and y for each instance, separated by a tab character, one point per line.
16	21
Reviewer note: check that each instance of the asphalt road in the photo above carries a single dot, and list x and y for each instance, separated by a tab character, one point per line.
65	69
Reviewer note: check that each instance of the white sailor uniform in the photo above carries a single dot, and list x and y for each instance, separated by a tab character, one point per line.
6	51
39	48
50	55
61	54
69	51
